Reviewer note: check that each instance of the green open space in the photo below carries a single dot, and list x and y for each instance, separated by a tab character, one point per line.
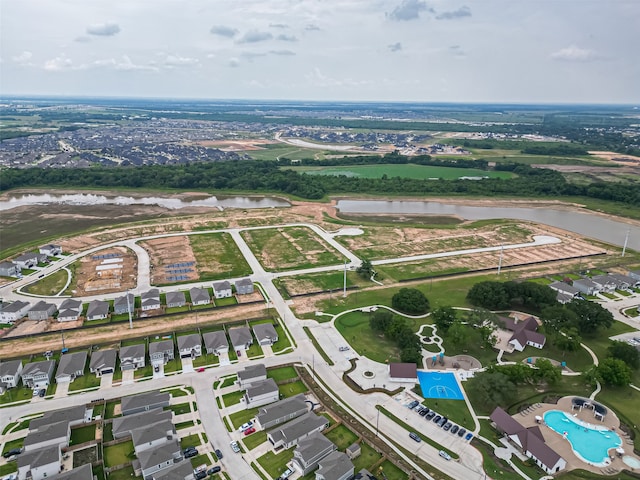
125	473
282	373
110	410
455	410
413	270
206	359
323	281
291	389
9	467
354	327
275	151
118	454
242	416
578	361
83	434
342	437
232	398
287	248
274	464
391	472
49	285
408	170
16	394
367	459
218	257
192	440
180	408
88	380
255	439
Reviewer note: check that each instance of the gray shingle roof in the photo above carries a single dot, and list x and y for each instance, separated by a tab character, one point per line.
40	457
158	455
252	371
131	422
71	304
14	307
132	351
10	367
188	341
72	414
175	297
149	433
281	409
103	359
261	388
240	336
47	432
215	340
335	466
144	399
224	285
83	472
180	471
161	346
199	294
98	308
312	446
36	368
71	363
297	428
265	331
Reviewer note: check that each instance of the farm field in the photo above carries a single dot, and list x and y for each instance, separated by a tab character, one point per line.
422	172
288	248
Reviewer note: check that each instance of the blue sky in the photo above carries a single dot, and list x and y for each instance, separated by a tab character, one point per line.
551	51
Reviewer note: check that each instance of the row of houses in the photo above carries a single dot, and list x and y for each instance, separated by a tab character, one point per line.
71	309
595	285
29	260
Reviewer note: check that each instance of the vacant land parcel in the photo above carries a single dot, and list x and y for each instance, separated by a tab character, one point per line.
109	270
218	257
172	260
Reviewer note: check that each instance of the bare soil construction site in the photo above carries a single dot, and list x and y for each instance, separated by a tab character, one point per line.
172	260
107	271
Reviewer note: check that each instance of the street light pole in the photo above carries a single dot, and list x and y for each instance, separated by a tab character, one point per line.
377	420
344	288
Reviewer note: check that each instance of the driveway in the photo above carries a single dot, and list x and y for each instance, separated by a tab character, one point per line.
128	376
106	381
61	390
187	365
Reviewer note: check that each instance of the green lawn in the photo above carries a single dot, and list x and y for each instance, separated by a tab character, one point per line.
107	432
368	457
88	380
578	361
174	365
122	474
111	406
190	441
282	373
342	437
354	327
227	382
9	467
218	257
206	359
422	172
17	394
275	465
473	346
292	389
323	281
11	444
118	454
255	439
455	410
232	398
83	434
391	472
222	302
180	408
243	416
49	285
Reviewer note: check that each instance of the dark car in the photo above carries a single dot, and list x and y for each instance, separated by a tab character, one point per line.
200	475
42	392
461	432
190	453
189	449
437	419
430	415
454	429
413	404
218	453
469	436
443	421
12	452
447	426
415	436
213	470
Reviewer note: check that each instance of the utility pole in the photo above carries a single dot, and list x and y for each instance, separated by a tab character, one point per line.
626	240
377	420
500	261
62	336
129	310
344	289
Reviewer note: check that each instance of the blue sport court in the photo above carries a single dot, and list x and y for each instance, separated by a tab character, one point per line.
439	385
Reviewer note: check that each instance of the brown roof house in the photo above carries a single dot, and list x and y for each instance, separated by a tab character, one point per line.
530	440
403	372
524	332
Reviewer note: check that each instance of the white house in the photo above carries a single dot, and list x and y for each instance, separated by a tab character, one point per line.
69	310
190	346
9	269
244	286
161	352
282	411
587	286
71	366
12	312
152	436
176	299
98	310
310	451
605	283
150	300
38	374
524	333
265	333
241	338
335	466
199	296
216	342
296	430
103	362
252	374
132	357
28	260
50	250
39	464
261	393
42	311
222	289
159	458
10	373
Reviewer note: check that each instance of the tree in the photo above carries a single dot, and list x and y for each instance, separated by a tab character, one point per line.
557	317
625	352
547	372
380	320
491	389
567	339
491	295
486	322
591	316
614	372
365	270
443	317
410	300
411	355
458	334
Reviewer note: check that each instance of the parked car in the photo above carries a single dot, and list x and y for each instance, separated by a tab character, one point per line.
413	404
343	349
244	426
12	452
443	421
235	447
454	429
219	453
415	436
447	426
11	476
424	412
249	431
42	392
201	369
200	475
189	449
430	415
469	436
156	368
213	470
461	432
190	453
444	455
437	419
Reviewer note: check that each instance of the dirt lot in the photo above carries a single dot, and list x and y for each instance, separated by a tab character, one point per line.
106	271
171	251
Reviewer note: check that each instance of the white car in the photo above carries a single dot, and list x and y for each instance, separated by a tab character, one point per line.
245	426
235	447
444	455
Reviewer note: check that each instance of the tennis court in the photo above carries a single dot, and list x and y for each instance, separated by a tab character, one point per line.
439	385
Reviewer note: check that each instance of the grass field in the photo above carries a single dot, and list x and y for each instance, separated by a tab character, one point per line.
421	172
49	285
292	389
315	282
354	327
83	434
280	249
342	437
282	373
275	465
118	454
218	256
255	439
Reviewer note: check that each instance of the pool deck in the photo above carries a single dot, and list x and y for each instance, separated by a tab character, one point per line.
563	447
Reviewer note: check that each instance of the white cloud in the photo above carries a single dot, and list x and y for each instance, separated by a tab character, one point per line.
254	36
23	59
223	31
312	28
285	53
104	29
178	61
574	54
234	62
461	12
395	47
58	63
409	10
287	38
82	39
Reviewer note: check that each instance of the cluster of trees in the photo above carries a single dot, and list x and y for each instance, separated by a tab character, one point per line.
558	149
617	369
503	295
268	177
576	317
398	330
411	301
365	270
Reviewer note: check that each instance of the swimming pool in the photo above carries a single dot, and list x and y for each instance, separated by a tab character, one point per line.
590	443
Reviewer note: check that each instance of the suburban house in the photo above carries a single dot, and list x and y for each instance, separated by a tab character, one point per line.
157	459
586	286
38	374
524	333
529	440
353	451
180	471
124	304
12	312
103	362
83	472
152	436
50	250
176	299
241	338
403	372
336	466
265	333
123	426
310	451
199	296
73	416
150	300
282	411
222	289
98	310
28	260
292	433
71	366
364	474
244	286
563	298
144	402
252	374
69	310
261	393
10	373
9	269
132	357
54	434
39	464
190	345
42	311
565	288
605	282
623	282
216	342
161	352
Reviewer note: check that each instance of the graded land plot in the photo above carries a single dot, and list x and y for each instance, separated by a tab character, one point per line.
218	257
287	248
106	271
323	281
49	285
387	242
172	260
